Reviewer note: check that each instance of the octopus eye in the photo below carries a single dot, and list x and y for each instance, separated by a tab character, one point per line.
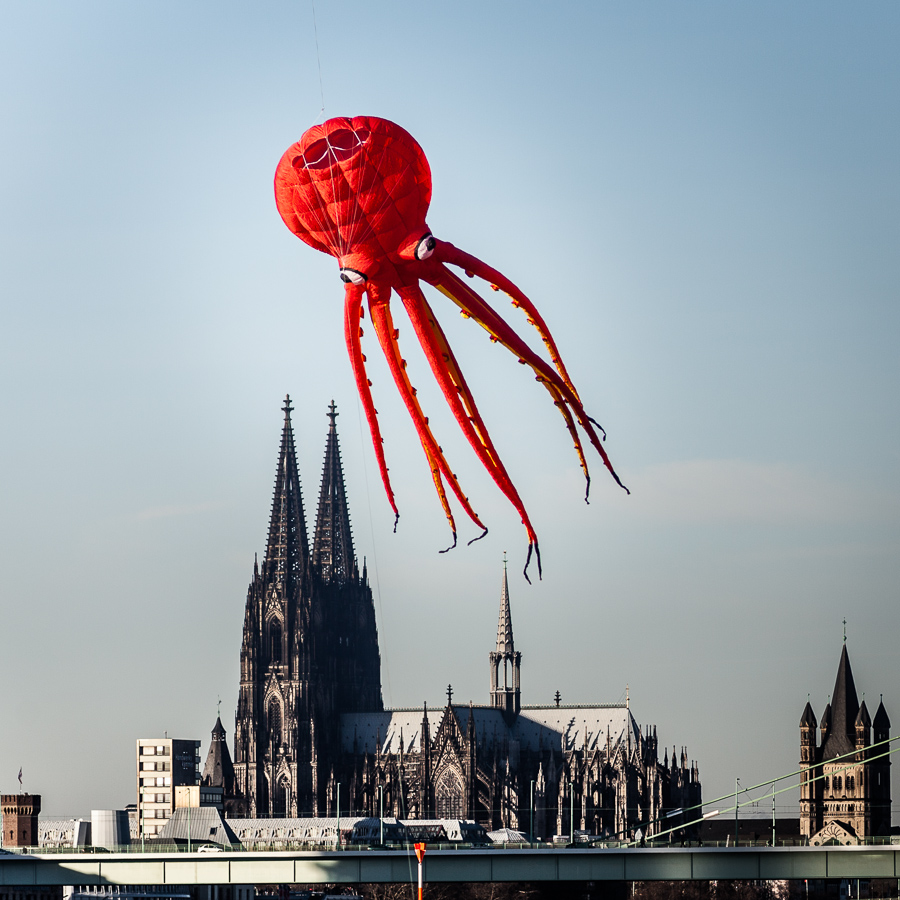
426	246
351	276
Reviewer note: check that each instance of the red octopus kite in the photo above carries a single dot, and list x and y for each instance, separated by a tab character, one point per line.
358	189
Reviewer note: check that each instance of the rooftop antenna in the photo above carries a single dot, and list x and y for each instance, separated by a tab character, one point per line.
845	630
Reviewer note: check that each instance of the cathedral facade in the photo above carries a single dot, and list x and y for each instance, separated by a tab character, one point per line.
845	781
312	736
310	645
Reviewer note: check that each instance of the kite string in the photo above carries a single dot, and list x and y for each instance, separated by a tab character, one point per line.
312	3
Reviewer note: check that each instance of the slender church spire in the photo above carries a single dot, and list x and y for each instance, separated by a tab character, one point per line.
504	661
287	549
504	625
333	543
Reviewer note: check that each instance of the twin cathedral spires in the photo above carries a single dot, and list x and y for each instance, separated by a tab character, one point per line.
310	645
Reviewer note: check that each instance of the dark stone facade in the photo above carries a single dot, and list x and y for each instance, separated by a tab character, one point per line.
311	732
310	647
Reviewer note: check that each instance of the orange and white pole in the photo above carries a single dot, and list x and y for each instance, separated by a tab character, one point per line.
420	856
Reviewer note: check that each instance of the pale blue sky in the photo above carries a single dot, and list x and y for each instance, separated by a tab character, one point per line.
702	199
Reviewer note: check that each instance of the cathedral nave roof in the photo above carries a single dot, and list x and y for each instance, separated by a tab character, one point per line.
536	727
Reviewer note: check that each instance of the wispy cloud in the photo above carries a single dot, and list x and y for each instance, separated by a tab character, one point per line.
168	512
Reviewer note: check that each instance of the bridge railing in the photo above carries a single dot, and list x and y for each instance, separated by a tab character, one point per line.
155	847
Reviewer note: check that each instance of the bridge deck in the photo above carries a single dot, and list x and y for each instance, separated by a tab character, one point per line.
393	866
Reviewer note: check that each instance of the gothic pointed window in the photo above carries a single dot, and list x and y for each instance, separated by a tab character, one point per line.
275	642
263	804
274	719
450	796
281	799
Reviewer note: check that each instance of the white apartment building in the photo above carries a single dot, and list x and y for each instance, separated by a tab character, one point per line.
162	765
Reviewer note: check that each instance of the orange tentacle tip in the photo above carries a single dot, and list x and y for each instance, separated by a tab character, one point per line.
358	189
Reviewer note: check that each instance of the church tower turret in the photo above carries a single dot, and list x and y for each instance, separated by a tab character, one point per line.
219	769
505	696
810	787
880	777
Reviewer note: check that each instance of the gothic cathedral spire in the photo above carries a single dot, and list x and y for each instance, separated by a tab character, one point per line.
333	554
505	696
274	741
287	548
504	625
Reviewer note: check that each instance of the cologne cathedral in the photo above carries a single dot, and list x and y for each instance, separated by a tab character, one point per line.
312	736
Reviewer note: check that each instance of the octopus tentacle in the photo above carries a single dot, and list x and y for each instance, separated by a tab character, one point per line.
476	307
560	403
387	336
447	252
453	384
441	492
353	312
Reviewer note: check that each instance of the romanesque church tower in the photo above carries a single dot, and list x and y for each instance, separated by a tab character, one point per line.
845	785
310	645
